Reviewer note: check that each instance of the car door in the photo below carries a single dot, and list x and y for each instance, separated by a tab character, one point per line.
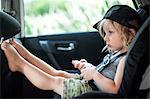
59	50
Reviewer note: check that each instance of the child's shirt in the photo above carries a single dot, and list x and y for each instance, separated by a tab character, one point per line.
109	64
108	67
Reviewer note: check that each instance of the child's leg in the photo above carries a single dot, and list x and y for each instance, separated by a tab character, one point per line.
38	62
39	78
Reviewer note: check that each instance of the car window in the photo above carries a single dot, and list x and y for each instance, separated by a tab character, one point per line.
0	5
45	17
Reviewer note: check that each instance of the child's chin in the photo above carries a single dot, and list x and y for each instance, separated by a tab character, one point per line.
112	50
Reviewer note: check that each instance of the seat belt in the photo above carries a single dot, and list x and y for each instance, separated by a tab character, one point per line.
108	59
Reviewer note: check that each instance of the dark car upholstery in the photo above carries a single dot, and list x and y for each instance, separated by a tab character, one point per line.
136	63
9	27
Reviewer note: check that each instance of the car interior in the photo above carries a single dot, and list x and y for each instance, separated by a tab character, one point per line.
59	49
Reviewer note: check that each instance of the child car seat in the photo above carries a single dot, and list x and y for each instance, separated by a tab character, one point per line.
137	61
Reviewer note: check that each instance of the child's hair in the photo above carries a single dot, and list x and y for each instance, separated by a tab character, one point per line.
125	32
123	18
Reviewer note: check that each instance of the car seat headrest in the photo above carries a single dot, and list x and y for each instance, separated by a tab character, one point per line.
144	12
9	25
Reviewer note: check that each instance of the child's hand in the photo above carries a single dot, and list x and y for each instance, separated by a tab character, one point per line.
82	64
87	73
79	64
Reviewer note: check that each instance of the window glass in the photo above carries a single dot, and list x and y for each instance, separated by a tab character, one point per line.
45	17
0	5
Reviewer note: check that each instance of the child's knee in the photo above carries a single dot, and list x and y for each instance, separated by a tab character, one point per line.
58	85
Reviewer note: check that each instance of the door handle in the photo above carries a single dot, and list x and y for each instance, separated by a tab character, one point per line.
69	48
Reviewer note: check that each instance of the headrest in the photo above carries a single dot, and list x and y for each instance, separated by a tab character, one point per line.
9	25
144	12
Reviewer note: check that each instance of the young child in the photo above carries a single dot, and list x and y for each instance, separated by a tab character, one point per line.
118	27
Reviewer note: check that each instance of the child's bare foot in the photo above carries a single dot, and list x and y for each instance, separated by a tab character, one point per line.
14	59
20	48
14	43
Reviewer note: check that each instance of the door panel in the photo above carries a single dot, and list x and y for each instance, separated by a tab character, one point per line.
56	50
60	50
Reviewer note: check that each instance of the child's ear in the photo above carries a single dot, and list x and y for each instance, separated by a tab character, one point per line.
132	31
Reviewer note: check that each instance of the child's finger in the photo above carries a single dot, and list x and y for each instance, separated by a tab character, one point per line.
81	66
75	62
78	64
83	60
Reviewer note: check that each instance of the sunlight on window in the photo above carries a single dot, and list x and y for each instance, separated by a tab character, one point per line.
45	17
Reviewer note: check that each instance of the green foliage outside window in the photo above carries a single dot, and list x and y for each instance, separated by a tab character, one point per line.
43	17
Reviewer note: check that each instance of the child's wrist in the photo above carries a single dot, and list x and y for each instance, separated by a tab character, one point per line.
94	72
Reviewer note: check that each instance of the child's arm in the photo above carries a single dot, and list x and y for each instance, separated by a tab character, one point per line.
108	85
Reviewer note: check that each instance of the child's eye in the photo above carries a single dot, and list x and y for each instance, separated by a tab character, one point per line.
110	32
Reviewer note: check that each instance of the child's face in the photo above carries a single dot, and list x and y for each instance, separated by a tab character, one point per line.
112	37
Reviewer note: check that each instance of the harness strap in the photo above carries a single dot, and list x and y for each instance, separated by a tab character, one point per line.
108	59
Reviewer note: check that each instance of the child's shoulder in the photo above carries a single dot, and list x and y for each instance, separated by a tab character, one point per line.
122	60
